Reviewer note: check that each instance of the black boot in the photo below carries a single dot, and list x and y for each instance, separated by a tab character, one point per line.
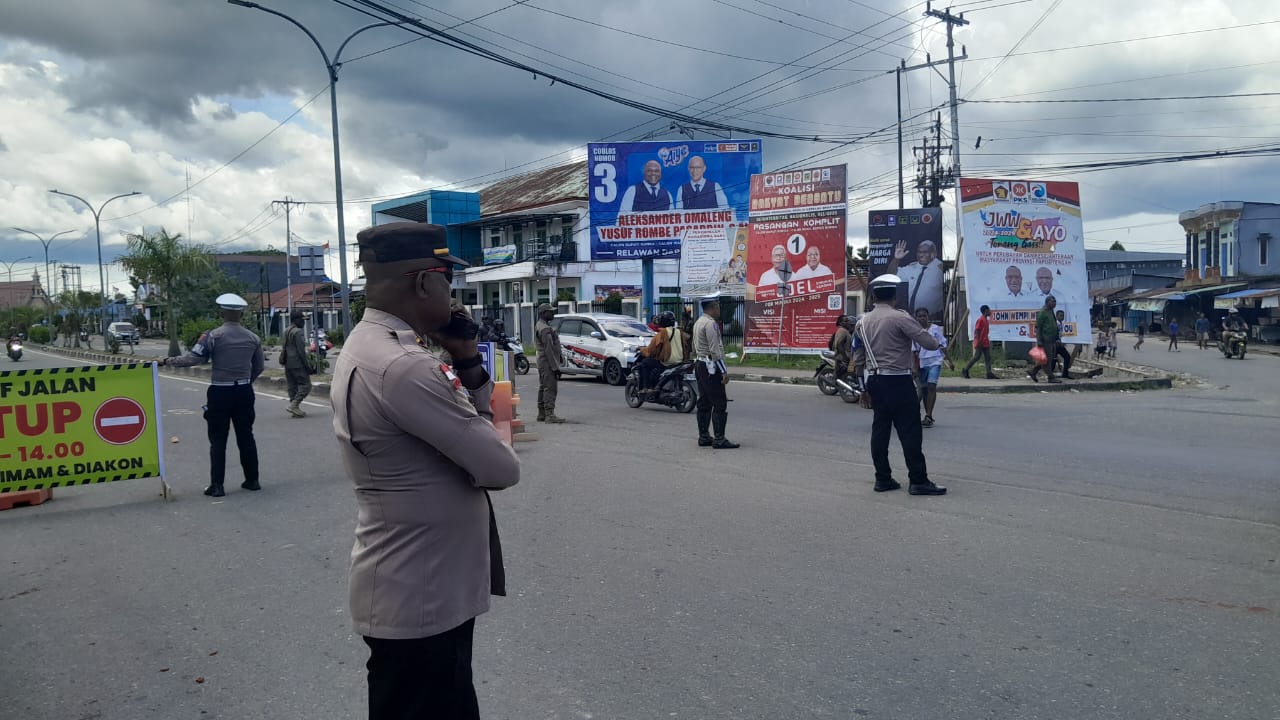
250	485
215	490
719	420
704	428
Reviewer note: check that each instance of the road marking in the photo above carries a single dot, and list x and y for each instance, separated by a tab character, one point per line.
172	377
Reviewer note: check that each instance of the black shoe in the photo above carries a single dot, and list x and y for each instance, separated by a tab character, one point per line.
927	421
926	488
887	486
251	485
723	444
992	376
1032	377
705	441
214	491
1067	376
965	373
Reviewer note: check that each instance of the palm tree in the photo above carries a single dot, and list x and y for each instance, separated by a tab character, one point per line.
161	261
78	304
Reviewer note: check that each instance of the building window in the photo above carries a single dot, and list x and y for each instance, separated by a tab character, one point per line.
1264	248
495	237
517	234
668	290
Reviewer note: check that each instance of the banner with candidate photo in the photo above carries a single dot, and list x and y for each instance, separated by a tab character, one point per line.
646	196
908	243
1024	241
795	259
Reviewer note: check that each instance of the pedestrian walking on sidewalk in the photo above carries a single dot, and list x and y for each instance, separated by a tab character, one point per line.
885	338
417	440
297	371
981	343
712	375
236	354
1173	336
1047	339
550	358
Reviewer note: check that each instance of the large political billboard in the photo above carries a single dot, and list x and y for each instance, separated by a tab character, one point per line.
795	259
908	243
646	196
1024	241
78	425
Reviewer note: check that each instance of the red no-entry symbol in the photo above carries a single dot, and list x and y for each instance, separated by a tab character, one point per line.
119	421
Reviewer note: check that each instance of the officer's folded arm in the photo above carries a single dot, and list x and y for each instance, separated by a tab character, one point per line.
428	407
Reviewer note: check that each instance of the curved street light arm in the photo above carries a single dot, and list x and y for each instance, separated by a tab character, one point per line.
77	197
337	57
333	72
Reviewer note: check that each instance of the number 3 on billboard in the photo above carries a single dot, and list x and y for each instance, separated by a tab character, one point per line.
607	190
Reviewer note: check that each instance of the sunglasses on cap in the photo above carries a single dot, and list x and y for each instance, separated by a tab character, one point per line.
447	270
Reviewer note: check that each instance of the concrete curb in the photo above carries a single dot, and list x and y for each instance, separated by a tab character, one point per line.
271	384
1009	385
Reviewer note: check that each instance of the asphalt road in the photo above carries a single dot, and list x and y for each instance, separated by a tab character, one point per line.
1099	556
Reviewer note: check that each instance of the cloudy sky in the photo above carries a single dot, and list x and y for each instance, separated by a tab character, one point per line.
100	99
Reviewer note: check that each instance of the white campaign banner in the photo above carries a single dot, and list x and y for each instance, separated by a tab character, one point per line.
1024	241
714	260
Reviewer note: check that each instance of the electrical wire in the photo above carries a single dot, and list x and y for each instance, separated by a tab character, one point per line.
1222	96
1034	26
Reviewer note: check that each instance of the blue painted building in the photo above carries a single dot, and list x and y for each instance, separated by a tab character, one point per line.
449	208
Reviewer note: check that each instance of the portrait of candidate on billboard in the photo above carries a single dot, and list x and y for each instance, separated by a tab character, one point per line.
672	187
908	243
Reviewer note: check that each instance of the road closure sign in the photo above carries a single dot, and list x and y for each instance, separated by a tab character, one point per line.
79	425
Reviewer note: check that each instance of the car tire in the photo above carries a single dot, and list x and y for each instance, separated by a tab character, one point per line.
613	373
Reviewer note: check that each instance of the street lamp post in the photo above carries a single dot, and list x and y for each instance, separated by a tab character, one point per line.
48	280
9	266
332	66
97	226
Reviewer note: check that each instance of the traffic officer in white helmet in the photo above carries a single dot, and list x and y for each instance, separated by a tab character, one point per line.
885	336
236	354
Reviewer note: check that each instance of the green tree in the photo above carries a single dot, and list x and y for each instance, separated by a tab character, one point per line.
1117	246
80	306
168	267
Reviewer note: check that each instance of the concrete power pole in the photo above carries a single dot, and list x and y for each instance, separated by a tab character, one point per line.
953	21
288	255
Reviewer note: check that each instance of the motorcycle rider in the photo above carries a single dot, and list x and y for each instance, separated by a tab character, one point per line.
669	347
841	344
1233	328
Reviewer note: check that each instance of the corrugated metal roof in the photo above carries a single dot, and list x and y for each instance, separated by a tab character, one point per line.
1252	293
535	189
1119	256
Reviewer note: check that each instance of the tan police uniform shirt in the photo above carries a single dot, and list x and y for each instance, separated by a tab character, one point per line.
236	354
421	455
547	340
887	334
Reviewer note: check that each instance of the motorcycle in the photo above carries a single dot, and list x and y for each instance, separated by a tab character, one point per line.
15	350
849	388
676	388
510	345
1233	344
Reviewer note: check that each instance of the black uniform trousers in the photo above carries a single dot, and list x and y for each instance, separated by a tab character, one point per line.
231	405
423	678
897	406
713	403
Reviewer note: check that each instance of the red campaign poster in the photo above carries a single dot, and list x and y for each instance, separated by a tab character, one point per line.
795	259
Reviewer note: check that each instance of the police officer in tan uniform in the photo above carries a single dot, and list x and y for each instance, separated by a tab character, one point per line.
236	354
549	359
417	439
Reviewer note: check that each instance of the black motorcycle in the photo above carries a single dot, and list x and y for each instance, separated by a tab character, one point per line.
14	347
676	388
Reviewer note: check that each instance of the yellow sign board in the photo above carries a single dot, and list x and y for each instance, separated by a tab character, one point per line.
79	425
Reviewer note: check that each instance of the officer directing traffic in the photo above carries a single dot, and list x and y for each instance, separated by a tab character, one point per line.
236	354
417	439
712	376
886	334
550	358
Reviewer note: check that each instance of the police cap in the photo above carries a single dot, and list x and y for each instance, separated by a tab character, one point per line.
886	280
231	301
395	242
546	307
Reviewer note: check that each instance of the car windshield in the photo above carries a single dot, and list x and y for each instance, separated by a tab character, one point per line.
122	326
625	329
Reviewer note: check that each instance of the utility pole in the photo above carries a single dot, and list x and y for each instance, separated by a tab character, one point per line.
953	21
288	204
931	176
928	63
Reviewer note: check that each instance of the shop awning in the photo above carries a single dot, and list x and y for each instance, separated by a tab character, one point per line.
1233	299
1147	305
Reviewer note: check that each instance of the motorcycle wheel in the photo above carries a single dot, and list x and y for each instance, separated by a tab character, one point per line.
632	395
522	365
849	396
688	398
826	382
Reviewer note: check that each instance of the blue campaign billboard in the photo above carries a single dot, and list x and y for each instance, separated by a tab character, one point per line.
646	195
